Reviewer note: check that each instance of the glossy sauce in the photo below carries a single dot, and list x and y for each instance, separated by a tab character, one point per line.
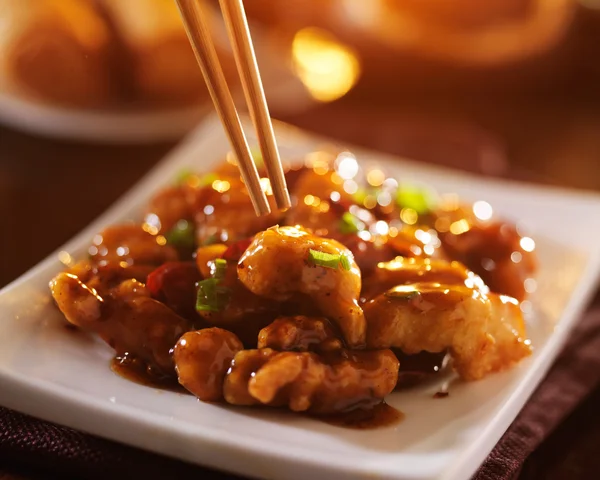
378	416
202	359
138	372
415	369
423	297
244	313
403	271
300	333
174	284
375	369
495	252
222	211
243	367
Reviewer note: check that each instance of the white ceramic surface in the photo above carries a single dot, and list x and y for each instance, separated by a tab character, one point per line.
53	373
97	126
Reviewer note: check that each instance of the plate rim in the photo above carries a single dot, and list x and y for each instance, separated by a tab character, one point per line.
469	460
105	126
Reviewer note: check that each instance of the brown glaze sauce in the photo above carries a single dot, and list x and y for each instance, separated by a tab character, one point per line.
245	313
243	367
418	368
379	416
202	359
135	370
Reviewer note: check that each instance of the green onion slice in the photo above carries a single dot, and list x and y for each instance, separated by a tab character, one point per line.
349	223
220	268
210	240
183	176
183	234
421	200
207	179
345	261
211	297
360	195
329	260
400	294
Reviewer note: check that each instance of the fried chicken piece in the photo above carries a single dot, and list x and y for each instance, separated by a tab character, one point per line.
402	271
159	63
324	208
303	334
109	274
319	205
166	208
491	248
483	333
126	318
202	359
243	367
57	52
276	265
131	244
241	311
495	251
224	213
174	284
299	334
304	381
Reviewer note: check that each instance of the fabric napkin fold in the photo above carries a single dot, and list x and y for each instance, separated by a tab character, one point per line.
43	449
574	375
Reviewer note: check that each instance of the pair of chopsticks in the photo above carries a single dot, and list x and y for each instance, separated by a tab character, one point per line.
239	35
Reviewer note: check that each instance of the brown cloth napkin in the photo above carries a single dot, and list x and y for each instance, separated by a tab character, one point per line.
41	449
574	376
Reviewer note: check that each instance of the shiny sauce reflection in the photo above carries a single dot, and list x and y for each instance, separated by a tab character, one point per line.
379	416
137	371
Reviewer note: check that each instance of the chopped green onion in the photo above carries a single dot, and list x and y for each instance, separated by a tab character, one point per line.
350	224
421	200
345	261
183	176
182	234
207	179
220	268
360	195
186	175
329	260
323	259
400	294
210	240
211	297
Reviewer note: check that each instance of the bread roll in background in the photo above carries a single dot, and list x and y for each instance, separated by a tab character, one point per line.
55	50
161	62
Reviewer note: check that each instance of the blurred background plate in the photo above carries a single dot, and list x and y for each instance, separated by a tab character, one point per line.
113	71
126	126
56	121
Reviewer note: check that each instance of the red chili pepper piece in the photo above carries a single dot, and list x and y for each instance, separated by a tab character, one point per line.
236	249
174	284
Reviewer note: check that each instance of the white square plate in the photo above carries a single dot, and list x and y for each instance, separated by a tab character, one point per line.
52	373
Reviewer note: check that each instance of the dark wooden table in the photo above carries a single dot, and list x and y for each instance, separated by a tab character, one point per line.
546	130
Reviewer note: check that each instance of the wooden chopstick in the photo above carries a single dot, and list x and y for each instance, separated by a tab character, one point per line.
245	59
206	55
